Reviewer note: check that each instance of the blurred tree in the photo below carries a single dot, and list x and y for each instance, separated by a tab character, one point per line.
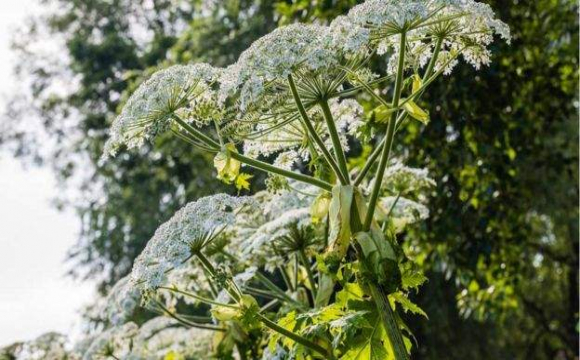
77	61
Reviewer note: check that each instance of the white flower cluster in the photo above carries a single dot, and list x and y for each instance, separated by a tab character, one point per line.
49	346
288	138
115	341
188	231
276	55
255	236
403	211
121	302
148	111
401	179
161	337
467	26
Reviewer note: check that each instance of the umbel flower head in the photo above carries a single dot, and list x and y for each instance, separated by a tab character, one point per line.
466	26
286	50
190	230
150	109
287	137
121	302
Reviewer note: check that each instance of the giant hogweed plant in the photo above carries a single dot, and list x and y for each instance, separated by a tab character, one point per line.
310	268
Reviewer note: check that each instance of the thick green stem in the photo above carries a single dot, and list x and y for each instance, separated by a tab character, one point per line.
286	173
197	297
299	339
313	132
388	137
375	154
264	320
185	322
389	322
260	165
339	152
306	264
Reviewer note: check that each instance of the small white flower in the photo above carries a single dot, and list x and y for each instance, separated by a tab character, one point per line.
148	111
403	211
121	302
115	341
188	231
273	57
161	335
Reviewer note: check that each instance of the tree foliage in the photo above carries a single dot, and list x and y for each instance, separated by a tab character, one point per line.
501	246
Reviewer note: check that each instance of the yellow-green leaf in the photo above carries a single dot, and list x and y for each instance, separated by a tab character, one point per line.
416	112
227	167
407	304
319	207
339	215
382	113
417	83
242	181
172	355
224	313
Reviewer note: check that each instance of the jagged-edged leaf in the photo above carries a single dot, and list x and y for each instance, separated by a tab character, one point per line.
412	279
406	304
242	181
373	345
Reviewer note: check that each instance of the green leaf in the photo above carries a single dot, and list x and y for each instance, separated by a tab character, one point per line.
350	291
412	279
289	323
339	215
242	181
416	112
407	304
227	167
320	207
375	345
325	290
417	83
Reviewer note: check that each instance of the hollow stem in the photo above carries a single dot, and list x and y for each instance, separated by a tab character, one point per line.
264	320
338	151
297	338
388	319
197	297
260	165
185	322
272	287
306	263
388	137
306	120
375	154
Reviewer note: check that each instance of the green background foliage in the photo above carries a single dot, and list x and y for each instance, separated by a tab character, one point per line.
500	248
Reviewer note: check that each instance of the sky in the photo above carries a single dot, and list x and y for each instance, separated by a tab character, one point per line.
35	294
